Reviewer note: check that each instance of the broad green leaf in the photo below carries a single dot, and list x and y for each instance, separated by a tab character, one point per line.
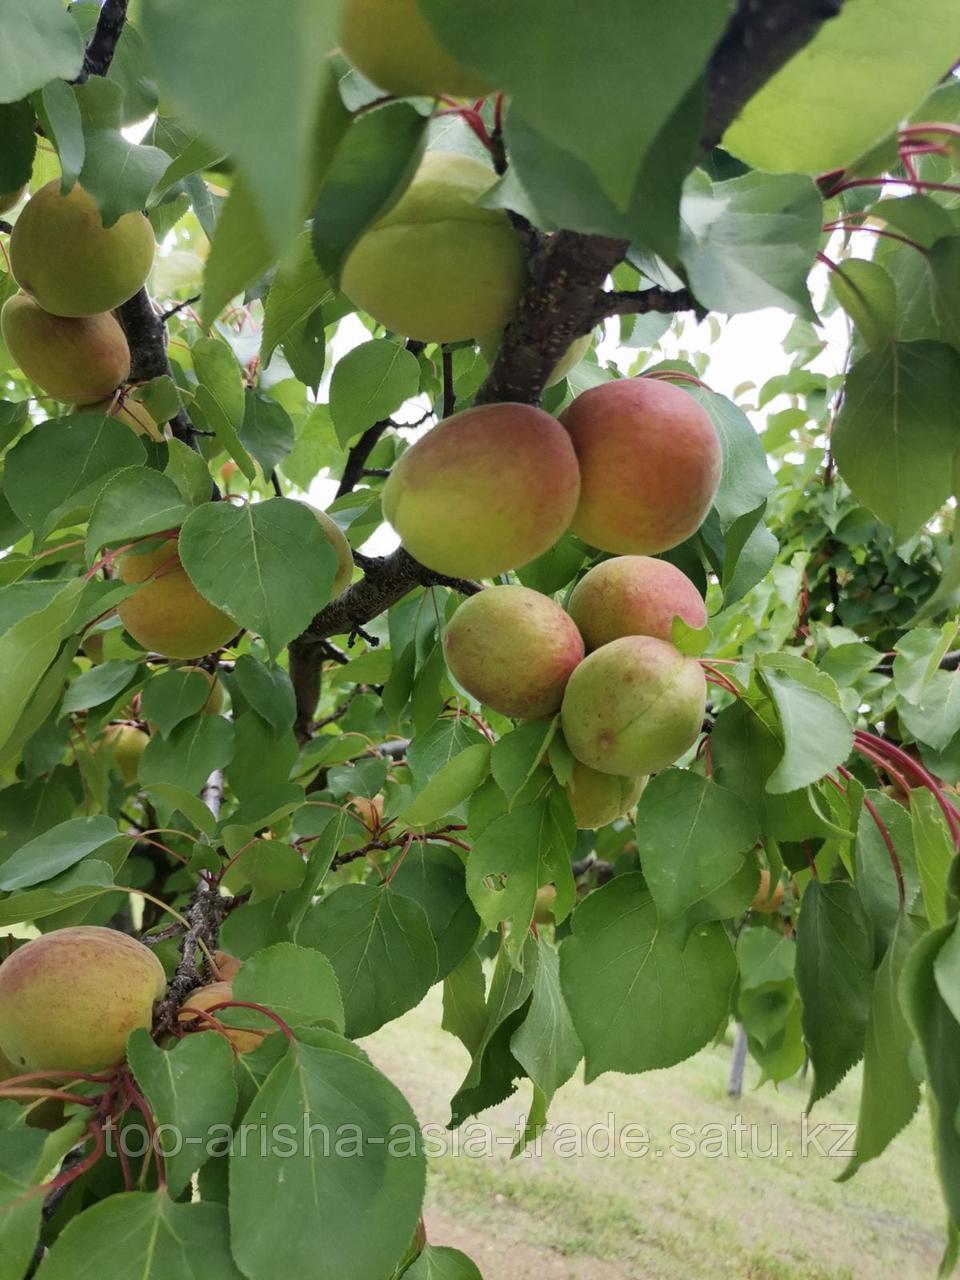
17	122
89	879
639	997
189	473
848	88
381	948
26	651
98	685
190	805
298	288
267	430
133	503
119	174
55	850
191	1090
519	753
170	697
297	984
353	1155
55	472
368	383
240	253
189	754
866	291
437	1262
834	974
453	783
896	435
750	242
935	719
268	565
935	852
202	54
746	480
944	260
527	54
817	735
219	402
41	42
146	1235
370	169
875	875
267	689
692	836
434	875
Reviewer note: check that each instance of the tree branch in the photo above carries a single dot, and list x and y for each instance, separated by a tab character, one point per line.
102	45
358	455
639	302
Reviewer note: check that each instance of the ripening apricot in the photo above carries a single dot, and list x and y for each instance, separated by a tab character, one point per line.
513	649
65	258
391	42
205	998
485	491
767	902
77	361
341	549
126	743
69	999
598	798
634	596
650	463
633	706
10	198
436	266
168	615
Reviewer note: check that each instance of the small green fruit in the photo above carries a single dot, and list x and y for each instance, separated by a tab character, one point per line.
391	42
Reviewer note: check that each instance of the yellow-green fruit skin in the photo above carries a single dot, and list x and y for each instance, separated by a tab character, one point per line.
10	198
205	998
126	743
634	596
63	255
214	703
77	361
577	349
391	42
634	706
69	999
436	266
513	649
132	414
598	798
341	549
168	615
485	491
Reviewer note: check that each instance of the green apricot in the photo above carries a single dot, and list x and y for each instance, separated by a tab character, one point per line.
391	42
598	798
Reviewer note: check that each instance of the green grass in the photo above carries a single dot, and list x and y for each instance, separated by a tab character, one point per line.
665	1217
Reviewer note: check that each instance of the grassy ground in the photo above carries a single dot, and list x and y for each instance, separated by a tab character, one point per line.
667	1216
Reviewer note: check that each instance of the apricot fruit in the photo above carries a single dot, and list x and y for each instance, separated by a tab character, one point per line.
228	966
436	266
168	615
598	798
767	902
132	414
205	998
650	463
392	43
633	596
341	549
214	703
633	706
10	198
77	361
126	744
577	349
69	999
486	490
65	258
513	649
545	902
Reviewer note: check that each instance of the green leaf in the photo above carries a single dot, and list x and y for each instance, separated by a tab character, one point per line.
188	756
943	258
440	1263
133	503
190	805
372	1170
191	1090
170	697
876	879
434	876
267	689
691	837
519	753
219	404
866	291
368	383
834	974
817	735
453	783
267	430
935	719
119	174
65	127
297	984
188	471
381	948
546	1044
55	850
26	651
55	472
98	685
935	852
526	53
282	98
896	435
639	997
40	43
268	565
17	122
89	879
848	88
143	1234
372	166
298	288
746	481
749	243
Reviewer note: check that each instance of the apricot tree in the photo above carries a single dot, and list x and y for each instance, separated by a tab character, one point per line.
390	598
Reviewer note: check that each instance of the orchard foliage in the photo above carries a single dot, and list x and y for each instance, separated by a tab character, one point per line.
518	756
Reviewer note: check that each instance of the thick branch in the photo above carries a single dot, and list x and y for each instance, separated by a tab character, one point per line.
358	455
103	43
635	302
147	336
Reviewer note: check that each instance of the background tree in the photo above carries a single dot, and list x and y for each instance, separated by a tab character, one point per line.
308	782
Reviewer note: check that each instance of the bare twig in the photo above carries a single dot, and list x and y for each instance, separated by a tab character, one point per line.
102	45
